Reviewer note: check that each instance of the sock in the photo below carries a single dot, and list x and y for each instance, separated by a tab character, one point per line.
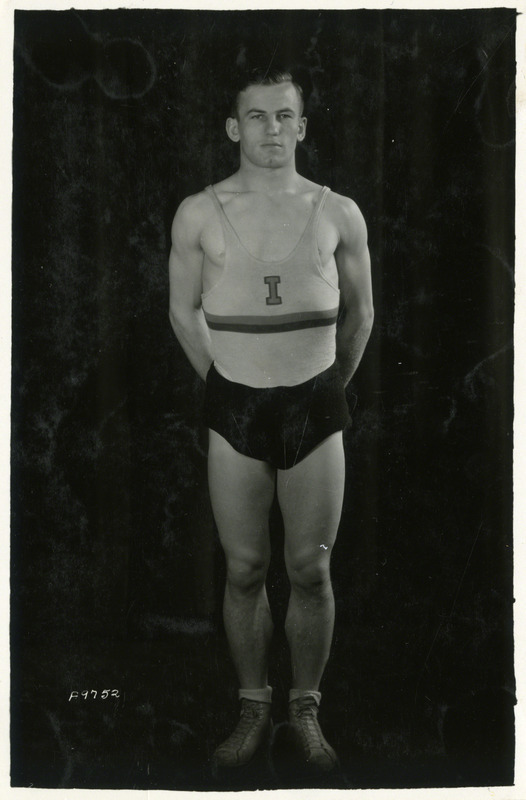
263	695
295	694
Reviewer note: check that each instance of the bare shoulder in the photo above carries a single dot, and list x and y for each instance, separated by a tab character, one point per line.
347	217
192	216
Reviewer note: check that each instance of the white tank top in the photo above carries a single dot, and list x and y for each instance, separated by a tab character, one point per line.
273	323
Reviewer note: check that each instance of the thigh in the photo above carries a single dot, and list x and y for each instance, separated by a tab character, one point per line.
311	496
241	491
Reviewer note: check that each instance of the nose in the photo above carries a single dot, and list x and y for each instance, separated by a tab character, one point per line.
272	124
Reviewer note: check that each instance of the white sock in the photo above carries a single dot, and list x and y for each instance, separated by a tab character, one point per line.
263	695
295	694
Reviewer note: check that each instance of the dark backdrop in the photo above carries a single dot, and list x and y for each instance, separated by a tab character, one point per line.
116	569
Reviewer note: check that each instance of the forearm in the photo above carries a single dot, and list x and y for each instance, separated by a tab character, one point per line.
192	334
351	339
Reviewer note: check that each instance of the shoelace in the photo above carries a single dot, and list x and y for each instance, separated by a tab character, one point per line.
250	711
306	714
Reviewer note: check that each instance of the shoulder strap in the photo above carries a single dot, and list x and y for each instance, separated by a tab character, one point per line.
215	200
320	202
229	232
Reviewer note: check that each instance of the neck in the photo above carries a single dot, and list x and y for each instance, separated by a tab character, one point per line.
269	180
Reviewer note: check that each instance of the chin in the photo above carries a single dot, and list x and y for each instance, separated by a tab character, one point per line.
276	159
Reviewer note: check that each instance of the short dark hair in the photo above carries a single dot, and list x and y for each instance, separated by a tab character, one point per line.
259	77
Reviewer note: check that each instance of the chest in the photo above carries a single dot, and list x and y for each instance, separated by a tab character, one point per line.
269	230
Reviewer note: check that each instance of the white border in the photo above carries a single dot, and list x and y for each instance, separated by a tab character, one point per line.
518	790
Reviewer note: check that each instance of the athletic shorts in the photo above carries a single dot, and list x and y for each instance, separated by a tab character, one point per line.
281	424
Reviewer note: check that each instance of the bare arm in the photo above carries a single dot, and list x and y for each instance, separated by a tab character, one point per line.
354	272
186	268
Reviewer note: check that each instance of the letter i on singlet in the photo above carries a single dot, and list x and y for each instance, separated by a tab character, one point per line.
273	298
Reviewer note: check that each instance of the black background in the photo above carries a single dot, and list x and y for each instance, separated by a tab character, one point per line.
117	573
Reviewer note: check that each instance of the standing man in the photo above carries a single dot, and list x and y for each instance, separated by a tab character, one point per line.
261	265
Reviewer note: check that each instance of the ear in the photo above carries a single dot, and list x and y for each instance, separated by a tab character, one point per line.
232	129
302	128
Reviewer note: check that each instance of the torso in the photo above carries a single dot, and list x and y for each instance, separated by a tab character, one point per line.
250	239
269	228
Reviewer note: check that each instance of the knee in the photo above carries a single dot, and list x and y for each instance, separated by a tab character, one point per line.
309	575
246	575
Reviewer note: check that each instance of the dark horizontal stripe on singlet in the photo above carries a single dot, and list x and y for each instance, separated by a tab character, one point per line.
277	324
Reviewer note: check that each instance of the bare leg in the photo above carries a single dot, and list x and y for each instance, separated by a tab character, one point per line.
311	495
241	491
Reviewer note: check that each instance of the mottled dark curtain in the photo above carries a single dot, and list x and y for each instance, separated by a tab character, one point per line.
116	569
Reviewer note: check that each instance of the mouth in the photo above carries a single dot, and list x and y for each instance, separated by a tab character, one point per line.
270	144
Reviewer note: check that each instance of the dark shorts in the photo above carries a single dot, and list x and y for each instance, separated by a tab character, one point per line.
282	424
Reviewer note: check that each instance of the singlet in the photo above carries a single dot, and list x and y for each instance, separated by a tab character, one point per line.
273	323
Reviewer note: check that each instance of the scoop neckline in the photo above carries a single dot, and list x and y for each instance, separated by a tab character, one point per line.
262	260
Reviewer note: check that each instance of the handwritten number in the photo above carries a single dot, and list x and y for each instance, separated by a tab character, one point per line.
93	694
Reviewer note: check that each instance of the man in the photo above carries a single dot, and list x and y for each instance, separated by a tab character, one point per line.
260	265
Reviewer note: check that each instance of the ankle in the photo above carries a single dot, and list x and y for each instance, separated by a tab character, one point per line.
263	695
297	694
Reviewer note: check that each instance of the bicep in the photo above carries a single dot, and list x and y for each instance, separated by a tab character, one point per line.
185	263
184	269
354	263
354	273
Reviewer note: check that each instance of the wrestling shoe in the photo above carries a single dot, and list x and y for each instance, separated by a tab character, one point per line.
252	731
303	719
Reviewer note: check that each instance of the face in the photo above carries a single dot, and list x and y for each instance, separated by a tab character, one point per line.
269	125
